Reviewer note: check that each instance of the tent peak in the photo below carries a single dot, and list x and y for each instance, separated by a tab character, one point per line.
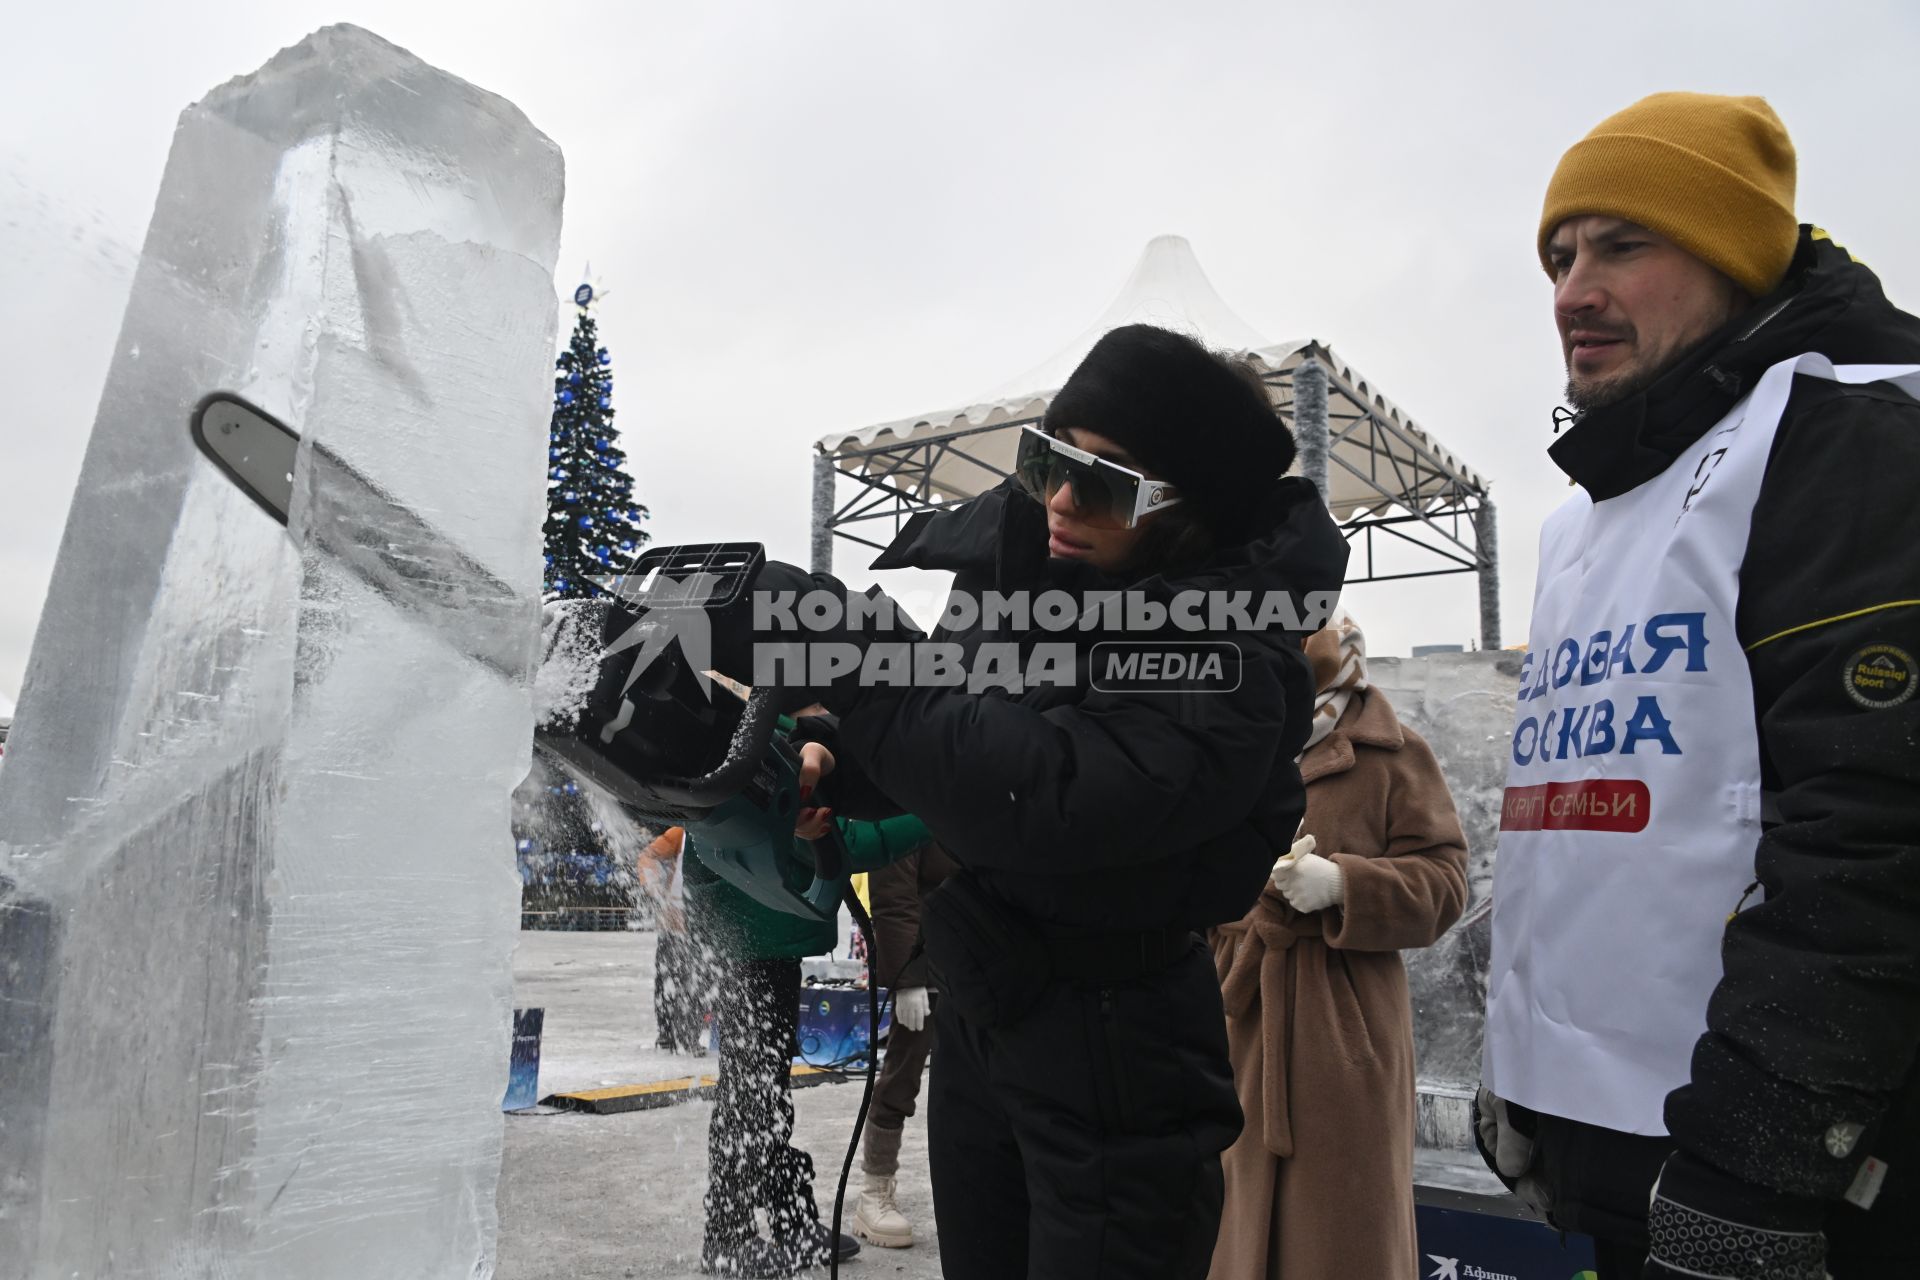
1167	288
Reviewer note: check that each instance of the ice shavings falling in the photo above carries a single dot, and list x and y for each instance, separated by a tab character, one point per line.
570	638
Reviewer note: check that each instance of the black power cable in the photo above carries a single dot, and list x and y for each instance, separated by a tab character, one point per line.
864	923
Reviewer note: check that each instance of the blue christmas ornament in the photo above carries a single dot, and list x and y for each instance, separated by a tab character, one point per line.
568	495
573	379
625	545
604	357
586	522
553	454
524	846
566	397
606	402
573	788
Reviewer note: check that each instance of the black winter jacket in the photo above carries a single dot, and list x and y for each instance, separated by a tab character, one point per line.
1816	1024
1090	809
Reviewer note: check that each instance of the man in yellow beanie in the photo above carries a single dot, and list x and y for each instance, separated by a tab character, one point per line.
1703	1002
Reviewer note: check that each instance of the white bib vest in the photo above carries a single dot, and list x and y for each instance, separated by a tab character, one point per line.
1632	809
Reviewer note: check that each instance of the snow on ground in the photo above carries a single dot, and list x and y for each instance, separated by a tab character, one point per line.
585	1197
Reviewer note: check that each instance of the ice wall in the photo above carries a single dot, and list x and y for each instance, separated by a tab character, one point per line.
257	890
1462	704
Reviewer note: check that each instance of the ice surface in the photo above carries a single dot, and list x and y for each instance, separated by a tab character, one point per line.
1462	704
257	889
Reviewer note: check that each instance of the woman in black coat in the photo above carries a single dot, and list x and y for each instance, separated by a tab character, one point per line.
1105	813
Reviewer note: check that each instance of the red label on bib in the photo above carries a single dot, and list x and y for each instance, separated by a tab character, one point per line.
1597	804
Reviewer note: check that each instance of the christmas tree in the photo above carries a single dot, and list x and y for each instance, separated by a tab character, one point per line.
593	523
570	877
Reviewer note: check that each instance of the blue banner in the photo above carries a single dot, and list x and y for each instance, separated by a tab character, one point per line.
1456	1244
523	1075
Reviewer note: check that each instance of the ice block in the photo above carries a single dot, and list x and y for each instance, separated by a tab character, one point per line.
257	887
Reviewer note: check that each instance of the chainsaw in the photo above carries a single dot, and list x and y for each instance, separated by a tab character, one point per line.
657	732
678	746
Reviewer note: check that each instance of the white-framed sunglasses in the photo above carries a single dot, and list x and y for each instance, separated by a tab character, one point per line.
1106	494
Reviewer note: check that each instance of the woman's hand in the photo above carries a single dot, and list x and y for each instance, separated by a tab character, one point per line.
1302	845
816	762
1308	881
910	1005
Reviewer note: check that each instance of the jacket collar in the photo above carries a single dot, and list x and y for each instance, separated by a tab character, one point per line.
1369	722
1828	303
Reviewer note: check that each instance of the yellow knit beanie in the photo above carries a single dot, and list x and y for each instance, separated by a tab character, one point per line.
1712	174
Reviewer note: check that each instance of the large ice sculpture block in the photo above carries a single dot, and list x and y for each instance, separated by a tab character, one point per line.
257	890
1462	704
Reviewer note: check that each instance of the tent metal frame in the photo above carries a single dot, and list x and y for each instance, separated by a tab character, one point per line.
1413	497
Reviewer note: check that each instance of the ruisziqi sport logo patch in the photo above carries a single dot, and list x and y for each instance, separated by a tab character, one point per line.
1881	676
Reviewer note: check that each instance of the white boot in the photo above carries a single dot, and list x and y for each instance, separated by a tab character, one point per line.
878	1219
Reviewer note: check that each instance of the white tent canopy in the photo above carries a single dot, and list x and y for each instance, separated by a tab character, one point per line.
1167	288
1384	473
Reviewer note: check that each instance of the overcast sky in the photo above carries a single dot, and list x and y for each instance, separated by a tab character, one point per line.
819	216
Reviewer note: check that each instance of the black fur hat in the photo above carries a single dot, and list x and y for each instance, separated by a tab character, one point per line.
1189	416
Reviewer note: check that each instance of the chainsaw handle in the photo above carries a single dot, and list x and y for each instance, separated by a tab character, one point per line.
829	851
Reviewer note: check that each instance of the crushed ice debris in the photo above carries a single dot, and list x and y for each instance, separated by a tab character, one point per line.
571	640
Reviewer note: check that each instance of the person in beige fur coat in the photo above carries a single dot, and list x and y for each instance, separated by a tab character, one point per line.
1319	1024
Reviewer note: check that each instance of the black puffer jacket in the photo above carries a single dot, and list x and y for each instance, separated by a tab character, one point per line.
1101	809
1816	1024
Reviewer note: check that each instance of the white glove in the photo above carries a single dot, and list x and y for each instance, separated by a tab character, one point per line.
1301	845
1512	1153
1512	1150
1308	881
910	1007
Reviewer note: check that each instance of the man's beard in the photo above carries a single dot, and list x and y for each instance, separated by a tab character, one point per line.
1626	384
1587	396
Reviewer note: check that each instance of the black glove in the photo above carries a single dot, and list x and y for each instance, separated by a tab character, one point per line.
1705	1225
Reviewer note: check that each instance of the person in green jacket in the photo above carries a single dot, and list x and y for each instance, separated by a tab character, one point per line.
751	1160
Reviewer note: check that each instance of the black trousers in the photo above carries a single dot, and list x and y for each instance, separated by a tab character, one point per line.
751	1160
682	993
1601	1180
1084	1140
